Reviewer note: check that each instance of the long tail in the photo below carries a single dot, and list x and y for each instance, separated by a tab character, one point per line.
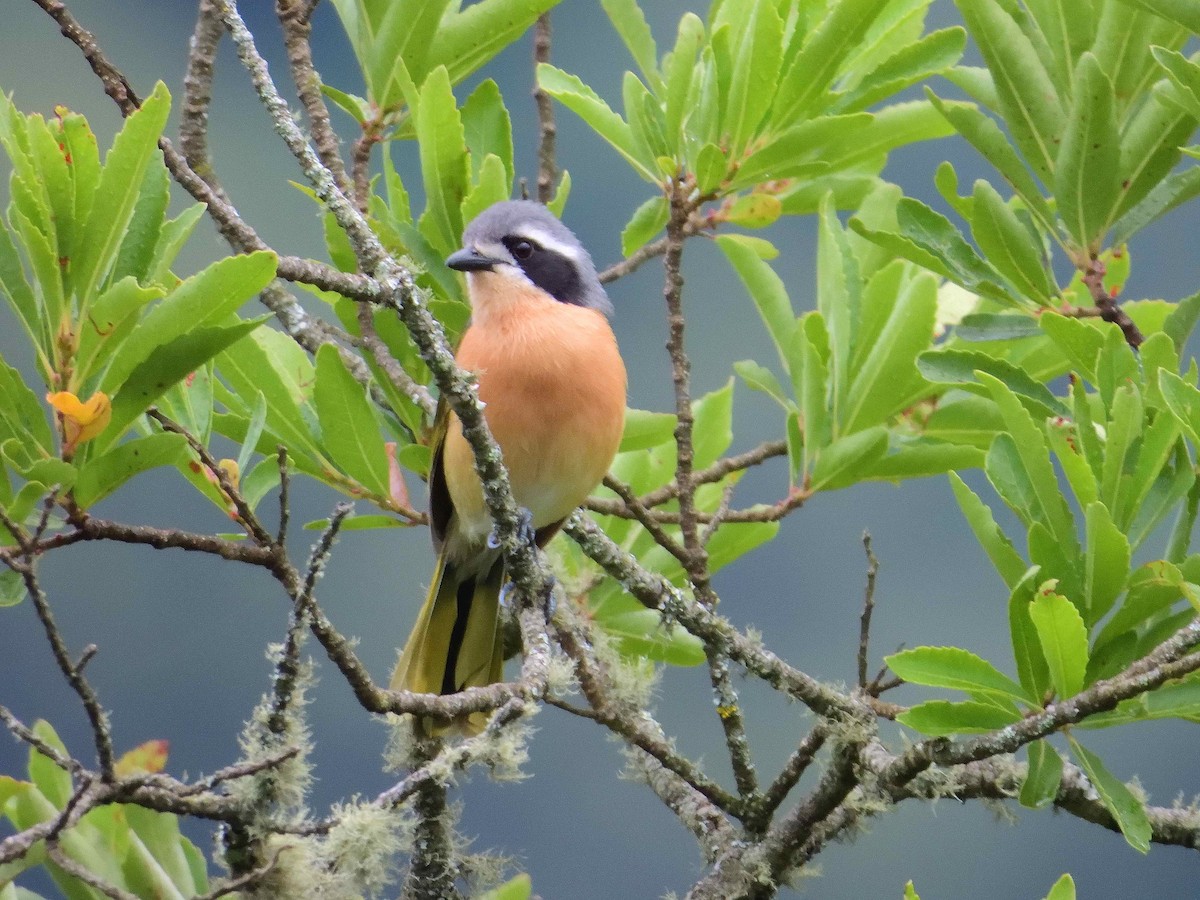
456	642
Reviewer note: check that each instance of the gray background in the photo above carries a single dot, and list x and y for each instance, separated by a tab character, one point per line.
181	638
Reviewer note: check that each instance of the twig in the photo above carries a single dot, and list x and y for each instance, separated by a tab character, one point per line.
285	480
297	29
101	735
655	592
432	873
864	630
245	880
793	770
197	96
245	515
636	726
547	129
1168	661
1110	310
372	133
642	515
370	341
75	870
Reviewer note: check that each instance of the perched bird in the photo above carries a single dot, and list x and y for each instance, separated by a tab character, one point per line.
553	385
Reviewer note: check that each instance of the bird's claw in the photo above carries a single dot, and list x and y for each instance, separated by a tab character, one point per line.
526	533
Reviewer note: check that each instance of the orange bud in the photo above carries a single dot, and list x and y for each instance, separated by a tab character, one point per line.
148	757
80	421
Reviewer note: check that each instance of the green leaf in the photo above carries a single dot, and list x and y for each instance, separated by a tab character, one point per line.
641	635
954	668
755	77
12	592
762	379
648	220
1032	669
1024	89
713	430
886	377
109	322
996	327
1174	190
1064	640
518	888
959	367
1086	182
1064	889
22	414
101	475
468	39
848	459
1040	787
630	23
1128	811
19	294
349	431
909	65
982	133
768	292
812	70
254	430
941	718
929	239
53	782
1106	562
117	192
585	103
922	458
444	166
1181	12
1183	400
164	366
137	250
487	128
1029	441
206	299
644	429
995	542
358	108
1010	246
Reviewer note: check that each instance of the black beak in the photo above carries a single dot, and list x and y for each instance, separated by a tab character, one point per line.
472	261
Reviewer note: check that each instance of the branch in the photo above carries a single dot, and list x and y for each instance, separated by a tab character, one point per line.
97	717
1110	311
547	129
1168	661
655	592
864	630
297	28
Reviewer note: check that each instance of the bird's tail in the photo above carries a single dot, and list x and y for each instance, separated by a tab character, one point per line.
457	641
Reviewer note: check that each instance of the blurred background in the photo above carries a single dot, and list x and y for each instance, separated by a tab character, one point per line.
181	638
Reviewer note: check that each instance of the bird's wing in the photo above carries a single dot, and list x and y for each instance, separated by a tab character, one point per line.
441	507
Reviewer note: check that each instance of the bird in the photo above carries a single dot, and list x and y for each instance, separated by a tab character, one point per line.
553	385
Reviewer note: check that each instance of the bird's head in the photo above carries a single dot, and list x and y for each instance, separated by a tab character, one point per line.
523	240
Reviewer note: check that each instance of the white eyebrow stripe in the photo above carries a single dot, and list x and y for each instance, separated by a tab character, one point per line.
550	242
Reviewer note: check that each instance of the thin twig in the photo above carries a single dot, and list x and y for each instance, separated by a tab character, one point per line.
864	629
547	129
285	480
97	717
297	30
1110	310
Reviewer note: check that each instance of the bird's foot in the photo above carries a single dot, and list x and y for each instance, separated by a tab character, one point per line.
526	533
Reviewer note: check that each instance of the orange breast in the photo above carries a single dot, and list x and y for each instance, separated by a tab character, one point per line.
554	388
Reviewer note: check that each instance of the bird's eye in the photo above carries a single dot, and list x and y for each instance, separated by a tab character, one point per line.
521	249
